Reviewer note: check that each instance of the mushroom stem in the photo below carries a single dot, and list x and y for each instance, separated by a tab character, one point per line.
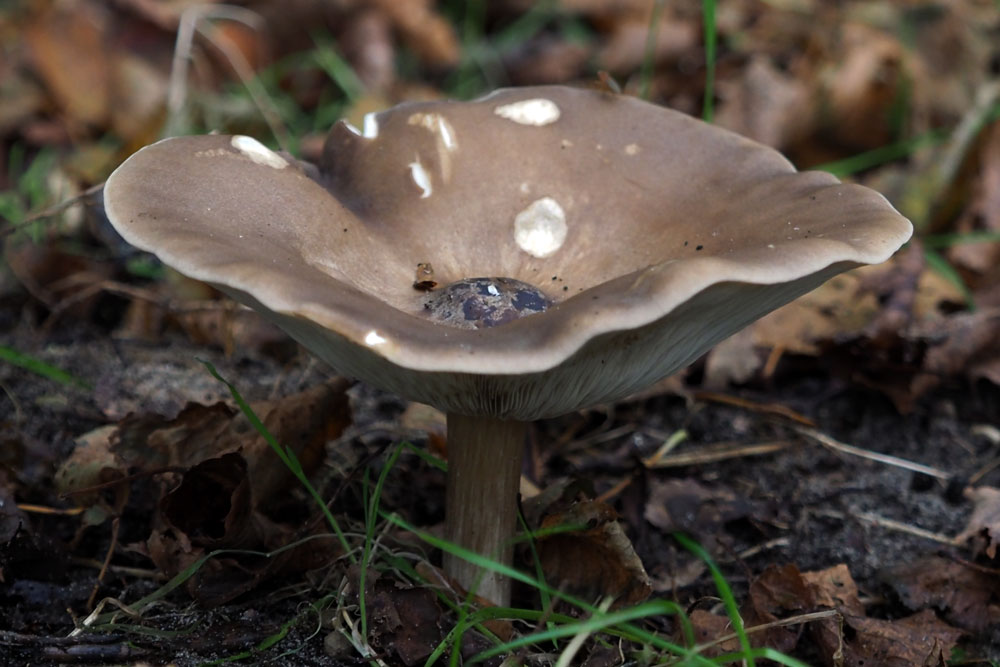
484	473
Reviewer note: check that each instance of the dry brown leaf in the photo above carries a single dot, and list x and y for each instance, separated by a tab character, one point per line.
66	283
834	588
402	621
426	419
625	51
868	80
709	627
769	106
957	345
303	423
369	47
139	94
596	562
966	595
694	508
430	36
69	47
921	640
213	505
980	262
733	361
845	306
983	528
777	593
545	59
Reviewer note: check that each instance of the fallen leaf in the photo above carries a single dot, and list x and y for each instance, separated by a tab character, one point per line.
921	640
767	105
425	31
834	588
778	592
595	562
869	77
368	45
402	621
626	48
965	595
213	504
983	527
430	421
93	463
699	510
733	361
303	423
69	47
709	628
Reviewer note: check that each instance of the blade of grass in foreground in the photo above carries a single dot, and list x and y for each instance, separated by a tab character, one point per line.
39	367
725	592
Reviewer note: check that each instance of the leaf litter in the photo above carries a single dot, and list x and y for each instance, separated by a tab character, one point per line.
848	554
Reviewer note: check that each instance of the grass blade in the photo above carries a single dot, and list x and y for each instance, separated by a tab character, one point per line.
39	367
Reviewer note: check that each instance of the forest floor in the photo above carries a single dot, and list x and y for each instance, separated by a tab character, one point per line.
838	461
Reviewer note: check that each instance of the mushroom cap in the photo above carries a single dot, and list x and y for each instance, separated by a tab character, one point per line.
654	234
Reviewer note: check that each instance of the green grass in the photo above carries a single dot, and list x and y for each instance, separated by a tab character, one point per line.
41	368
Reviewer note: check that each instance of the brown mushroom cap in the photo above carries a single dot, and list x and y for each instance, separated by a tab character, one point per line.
654	234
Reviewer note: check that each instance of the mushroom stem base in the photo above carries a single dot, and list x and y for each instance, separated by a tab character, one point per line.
484	473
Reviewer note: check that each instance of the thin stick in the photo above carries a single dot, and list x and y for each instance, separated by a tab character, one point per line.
827	441
794	620
899	526
720	451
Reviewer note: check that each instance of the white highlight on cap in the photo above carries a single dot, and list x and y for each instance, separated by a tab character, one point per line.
369	127
350	126
436	124
540	230
536	111
420	177
373	338
444	138
258	152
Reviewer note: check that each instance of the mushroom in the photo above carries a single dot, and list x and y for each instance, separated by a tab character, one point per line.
570	247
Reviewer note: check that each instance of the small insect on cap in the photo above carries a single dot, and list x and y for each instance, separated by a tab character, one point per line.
521	255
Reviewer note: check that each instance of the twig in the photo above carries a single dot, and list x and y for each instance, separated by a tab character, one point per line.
53	210
115	526
899	526
793	620
764	546
775	409
827	441
719	451
891	524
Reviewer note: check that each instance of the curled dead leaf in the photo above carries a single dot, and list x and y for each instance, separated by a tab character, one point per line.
596	561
